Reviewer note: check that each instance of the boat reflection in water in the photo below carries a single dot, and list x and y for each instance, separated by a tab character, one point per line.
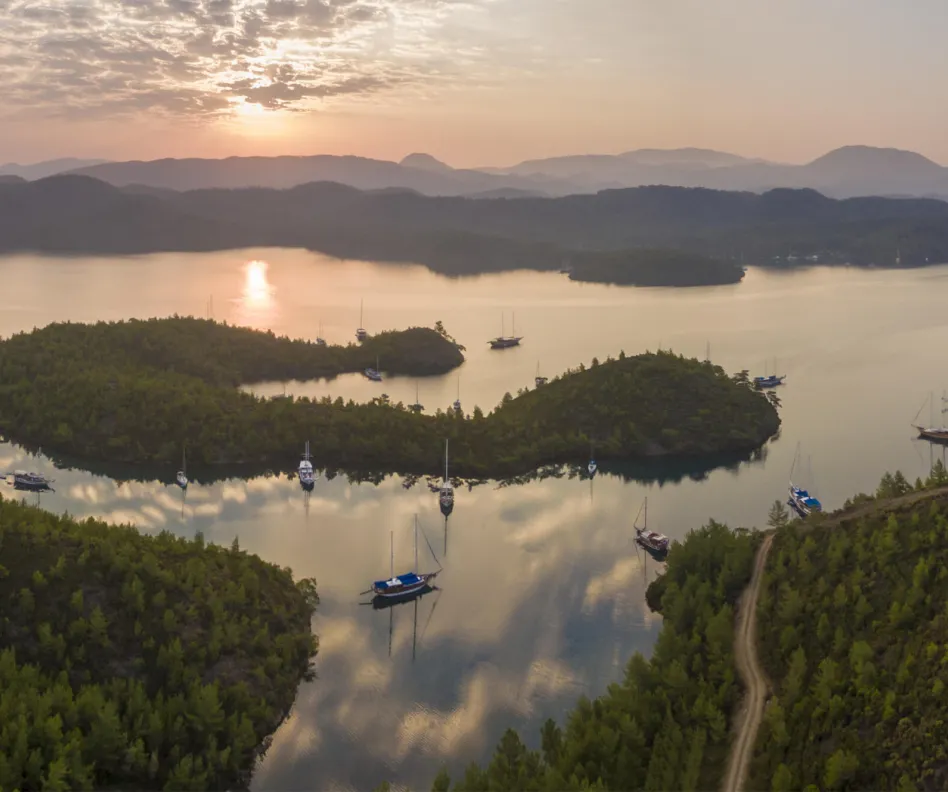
389	603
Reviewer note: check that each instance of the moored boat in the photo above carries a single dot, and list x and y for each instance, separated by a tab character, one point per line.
769	381
538	380
802	502
373	373
181	477
446	493
408	583
361	334
30	481
654	542
505	341
306	473
320	341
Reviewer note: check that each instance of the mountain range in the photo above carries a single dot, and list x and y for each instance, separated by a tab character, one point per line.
845	172
603	233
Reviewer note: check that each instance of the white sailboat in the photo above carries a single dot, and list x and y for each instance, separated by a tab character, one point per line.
306	473
181	477
538	380
446	494
373	373
361	335
653	541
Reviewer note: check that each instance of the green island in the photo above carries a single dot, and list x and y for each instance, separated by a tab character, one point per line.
138	392
140	662
852	633
654	267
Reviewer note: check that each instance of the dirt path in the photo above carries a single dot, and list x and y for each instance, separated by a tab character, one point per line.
745	654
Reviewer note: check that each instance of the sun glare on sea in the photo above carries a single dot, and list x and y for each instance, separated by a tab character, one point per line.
257	302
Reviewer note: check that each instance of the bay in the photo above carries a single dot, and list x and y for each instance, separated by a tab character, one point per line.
542	594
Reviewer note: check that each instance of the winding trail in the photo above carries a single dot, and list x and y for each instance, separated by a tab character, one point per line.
745	654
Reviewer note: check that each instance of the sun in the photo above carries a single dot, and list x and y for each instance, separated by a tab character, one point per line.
245	108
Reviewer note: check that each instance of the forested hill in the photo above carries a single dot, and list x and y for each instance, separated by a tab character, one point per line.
853	633
139	392
140	662
464	235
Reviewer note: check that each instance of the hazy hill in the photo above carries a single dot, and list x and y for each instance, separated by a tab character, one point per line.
463	235
41	170
846	172
431	178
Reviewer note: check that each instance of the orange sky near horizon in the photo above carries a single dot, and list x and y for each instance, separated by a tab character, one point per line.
472	82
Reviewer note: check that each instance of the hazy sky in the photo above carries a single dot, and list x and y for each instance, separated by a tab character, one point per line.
474	82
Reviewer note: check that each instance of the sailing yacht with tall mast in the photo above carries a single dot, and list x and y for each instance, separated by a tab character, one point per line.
361	334
506	341
538	380
932	432
374	374
446	493
800	500
320	341
417	407
408	583
181	477
306	473
770	380
656	543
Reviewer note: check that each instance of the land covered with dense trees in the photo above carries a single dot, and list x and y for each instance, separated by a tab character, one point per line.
654	267
853	634
79	214
140	662
666	725
138	392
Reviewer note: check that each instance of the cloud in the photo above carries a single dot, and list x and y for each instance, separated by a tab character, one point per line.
205	58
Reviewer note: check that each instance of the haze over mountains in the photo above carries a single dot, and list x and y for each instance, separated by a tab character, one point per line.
846	172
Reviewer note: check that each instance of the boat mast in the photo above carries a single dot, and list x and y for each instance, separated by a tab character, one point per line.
445	461
645	525
416	543
391	563
513	325
361	304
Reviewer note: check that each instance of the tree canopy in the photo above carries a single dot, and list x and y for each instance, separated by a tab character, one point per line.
144	662
853	629
138	392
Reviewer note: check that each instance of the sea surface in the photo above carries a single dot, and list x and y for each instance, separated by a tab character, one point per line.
541	597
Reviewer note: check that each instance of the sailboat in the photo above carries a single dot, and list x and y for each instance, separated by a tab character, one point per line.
306	473
457	402
505	341
592	467
417	406
320	341
800	500
361	335
932	433
656	543
769	380
181	477
373	373
446	493
538	379
408	583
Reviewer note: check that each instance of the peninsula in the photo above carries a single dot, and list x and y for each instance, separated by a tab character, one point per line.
140	662
137	392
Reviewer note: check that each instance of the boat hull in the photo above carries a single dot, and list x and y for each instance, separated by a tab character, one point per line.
30	485
801	502
504	343
768	382
933	435
407	590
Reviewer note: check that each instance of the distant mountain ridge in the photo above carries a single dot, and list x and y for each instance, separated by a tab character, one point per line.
846	172
40	170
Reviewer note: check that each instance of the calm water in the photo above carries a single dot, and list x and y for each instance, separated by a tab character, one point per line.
541	598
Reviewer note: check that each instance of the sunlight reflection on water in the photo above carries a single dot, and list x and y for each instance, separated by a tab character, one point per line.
257	304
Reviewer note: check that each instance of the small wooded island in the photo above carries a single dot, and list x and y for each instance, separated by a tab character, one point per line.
140	662
137	392
654	267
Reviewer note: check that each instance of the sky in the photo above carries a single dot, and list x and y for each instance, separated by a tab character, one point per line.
472	82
